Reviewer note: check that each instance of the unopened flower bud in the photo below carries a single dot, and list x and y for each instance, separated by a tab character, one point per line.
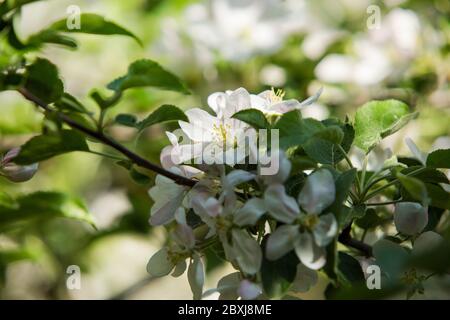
14	172
410	218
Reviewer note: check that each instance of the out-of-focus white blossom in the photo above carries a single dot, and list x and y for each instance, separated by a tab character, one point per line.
236	30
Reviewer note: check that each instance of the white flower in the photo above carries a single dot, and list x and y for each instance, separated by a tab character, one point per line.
410	218
238	30
315	231
168	196
14	172
214	138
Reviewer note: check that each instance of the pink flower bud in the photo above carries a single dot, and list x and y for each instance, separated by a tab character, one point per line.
14	172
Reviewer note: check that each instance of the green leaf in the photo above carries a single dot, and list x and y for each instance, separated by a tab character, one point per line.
147	73
391	257
370	220
6	201
294	130
164	113
349	269
70	103
47	146
439	159
35	41
253	117
42	80
127	120
415	188
139	178
376	120
39	206
94	24
277	276
439	197
343	184
323	145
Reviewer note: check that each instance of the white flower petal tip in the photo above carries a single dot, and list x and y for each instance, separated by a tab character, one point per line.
248	290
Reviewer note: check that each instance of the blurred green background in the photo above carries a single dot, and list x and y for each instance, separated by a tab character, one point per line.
215	45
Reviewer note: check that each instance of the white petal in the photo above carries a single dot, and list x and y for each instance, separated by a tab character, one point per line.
285	106
196	277
247	251
280	205
213	207
228	286
201	118
195	133
419	155
250	213
159	264
237	177
325	230
410	218
284	169
180	268
309	253
257	102
184	235
249	290
311	99
281	241
215	101
238	100
318	192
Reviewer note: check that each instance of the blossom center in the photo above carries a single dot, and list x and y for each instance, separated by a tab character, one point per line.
276	96
310	221
221	132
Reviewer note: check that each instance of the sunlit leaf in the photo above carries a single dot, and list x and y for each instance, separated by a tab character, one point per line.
378	119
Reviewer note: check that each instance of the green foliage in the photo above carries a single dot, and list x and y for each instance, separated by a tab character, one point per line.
439	159
147	73
253	117
277	276
40	206
46	146
163	114
378	119
42	80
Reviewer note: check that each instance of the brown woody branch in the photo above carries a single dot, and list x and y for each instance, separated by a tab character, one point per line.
135	158
346	239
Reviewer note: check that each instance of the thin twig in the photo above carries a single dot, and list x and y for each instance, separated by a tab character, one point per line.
135	158
346	239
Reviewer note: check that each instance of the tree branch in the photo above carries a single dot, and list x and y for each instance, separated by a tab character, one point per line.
346	239
135	158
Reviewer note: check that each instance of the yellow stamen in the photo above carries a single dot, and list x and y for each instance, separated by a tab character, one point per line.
276	96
